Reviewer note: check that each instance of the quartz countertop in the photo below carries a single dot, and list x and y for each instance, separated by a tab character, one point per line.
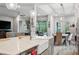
15	45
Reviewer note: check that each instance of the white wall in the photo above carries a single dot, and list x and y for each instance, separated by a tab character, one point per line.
4	18
70	19
22	24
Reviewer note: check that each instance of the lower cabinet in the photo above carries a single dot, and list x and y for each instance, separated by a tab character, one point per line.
31	51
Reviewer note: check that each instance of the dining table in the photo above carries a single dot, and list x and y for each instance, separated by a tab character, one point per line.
64	38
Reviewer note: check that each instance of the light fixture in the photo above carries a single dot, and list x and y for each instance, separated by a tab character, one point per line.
61	18
18	18
12	6
32	13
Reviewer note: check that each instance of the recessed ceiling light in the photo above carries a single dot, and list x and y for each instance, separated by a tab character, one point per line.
19	6
12	6
33	13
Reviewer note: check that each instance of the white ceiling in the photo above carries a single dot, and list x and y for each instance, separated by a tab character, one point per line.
57	9
43	9
23	10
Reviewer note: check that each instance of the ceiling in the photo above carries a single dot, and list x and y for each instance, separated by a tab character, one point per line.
56	9
24	10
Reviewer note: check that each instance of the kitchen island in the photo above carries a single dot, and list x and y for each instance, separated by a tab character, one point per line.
16	46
